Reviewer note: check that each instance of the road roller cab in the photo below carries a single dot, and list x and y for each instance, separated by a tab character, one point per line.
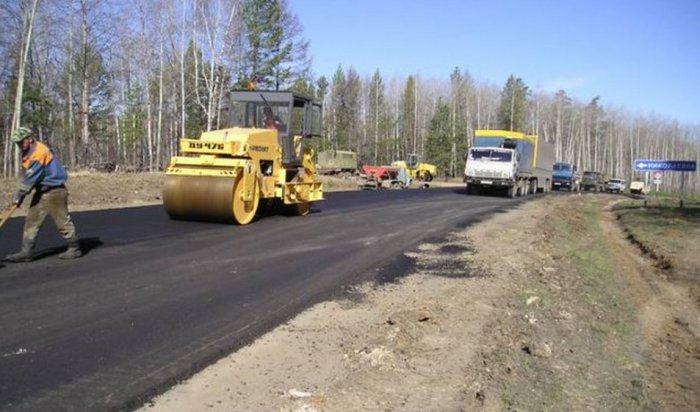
260	155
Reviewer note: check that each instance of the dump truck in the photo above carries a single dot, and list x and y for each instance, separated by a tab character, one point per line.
511	162
418	170
565	177
337	162
593	180
225	174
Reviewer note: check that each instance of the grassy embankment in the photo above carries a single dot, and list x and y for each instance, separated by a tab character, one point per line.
664	232
579	342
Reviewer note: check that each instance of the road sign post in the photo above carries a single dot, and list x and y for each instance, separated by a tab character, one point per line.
657	180
682	188
659	166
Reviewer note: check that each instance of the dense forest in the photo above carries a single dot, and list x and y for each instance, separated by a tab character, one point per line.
117	83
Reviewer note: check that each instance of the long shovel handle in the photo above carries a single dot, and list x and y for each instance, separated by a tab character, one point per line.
9	211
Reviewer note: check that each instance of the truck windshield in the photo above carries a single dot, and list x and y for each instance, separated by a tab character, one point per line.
562	166
592	175
487	154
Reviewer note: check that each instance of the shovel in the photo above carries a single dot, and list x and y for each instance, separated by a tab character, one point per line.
7	213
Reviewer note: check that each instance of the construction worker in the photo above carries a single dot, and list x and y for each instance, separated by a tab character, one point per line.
46	176
271	121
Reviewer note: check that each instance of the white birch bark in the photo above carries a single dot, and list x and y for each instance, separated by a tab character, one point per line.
27	28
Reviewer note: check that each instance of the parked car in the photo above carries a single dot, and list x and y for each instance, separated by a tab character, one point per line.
638	188
615	185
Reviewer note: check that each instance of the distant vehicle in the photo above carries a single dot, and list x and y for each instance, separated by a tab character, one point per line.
513	162
336	162
417	169
384	177
593	181
638	188
565	177
615	185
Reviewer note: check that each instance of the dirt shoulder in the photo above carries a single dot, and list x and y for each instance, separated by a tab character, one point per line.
92	191
546	307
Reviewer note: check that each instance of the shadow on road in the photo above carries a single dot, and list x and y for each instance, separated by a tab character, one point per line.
86	245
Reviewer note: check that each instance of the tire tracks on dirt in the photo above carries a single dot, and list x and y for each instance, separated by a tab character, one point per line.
668	316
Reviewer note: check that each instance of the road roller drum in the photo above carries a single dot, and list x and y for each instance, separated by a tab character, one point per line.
207	198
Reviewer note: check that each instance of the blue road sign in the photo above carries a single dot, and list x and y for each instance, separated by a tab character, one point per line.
665	165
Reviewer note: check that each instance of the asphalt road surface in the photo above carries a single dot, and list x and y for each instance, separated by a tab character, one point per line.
155	300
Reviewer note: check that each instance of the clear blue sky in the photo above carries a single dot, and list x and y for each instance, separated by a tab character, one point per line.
642	55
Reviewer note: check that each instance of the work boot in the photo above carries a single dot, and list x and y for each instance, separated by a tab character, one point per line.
73	250
24	255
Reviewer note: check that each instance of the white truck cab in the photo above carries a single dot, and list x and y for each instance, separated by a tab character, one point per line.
491	166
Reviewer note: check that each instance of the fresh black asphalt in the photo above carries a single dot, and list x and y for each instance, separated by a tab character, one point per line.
155	300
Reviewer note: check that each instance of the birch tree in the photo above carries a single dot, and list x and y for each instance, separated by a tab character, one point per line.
28	11
216	26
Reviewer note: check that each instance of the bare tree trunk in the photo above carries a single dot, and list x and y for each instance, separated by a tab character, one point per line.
415	116
28	27
121	142
557	133
6	160
395	146
183	117
84	97
478	110
159	131
376	124
71	118
215	32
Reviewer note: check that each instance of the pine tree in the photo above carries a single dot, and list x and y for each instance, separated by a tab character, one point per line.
353	88
196	118
408	138
439	142
321	88
275	54
512	111
377	110
338	113
94	109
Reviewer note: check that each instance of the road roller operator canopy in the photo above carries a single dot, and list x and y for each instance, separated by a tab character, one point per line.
260	155
294	115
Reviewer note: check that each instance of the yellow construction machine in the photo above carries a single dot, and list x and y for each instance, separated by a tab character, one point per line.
417	169
261	155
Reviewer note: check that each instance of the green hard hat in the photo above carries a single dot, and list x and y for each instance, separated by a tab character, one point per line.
21	134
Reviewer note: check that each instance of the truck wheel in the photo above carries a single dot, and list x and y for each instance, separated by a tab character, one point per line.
511	191
427	177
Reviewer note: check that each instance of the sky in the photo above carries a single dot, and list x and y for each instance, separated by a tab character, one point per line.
643	56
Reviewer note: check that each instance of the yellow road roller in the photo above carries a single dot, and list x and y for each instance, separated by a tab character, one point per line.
261	155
